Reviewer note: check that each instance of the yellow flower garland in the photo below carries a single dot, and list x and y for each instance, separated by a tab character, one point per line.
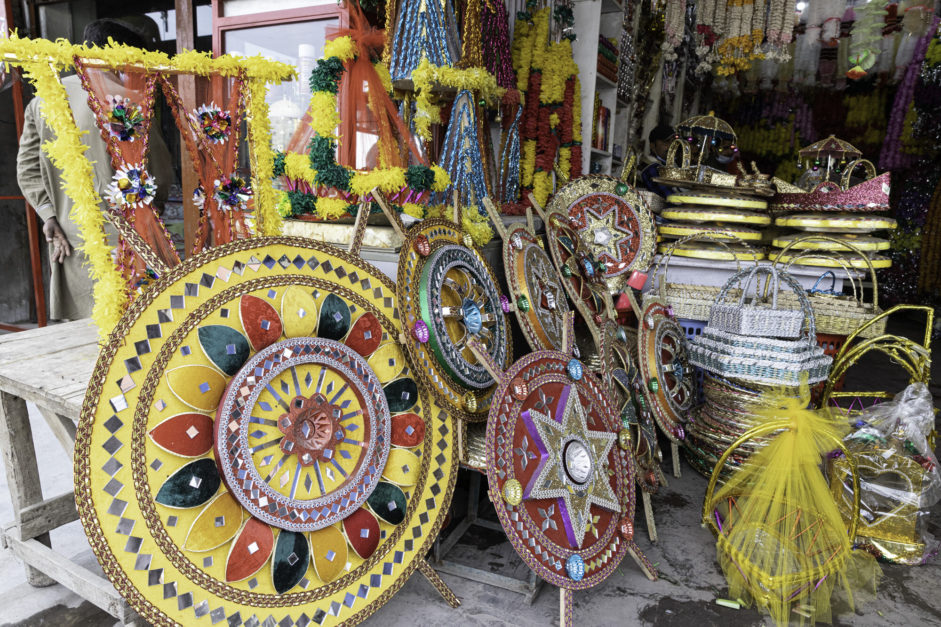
426	76
42	60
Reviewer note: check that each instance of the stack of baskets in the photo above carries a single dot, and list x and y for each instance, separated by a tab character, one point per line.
745	351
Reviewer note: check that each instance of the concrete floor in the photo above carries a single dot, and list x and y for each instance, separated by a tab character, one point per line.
690	579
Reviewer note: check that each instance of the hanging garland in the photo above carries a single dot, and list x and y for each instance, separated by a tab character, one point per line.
550	128
42	60
319	169
426	76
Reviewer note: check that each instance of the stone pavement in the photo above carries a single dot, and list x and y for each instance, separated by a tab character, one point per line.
690	579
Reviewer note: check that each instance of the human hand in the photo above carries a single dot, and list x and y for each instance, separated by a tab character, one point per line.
56	236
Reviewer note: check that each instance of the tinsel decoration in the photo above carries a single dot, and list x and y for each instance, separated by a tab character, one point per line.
125	120
215	123
495	39
232	193
131	187
421	32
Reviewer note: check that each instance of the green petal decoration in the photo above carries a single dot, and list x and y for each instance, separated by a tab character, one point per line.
388	502
225	347
192	485
334	318
290	561
401	394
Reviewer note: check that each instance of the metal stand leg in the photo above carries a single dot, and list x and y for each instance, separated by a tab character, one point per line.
530	587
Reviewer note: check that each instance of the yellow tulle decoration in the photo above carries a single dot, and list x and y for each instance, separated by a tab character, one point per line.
342	47
780	538
437	211
383	71
411	209
297	167
476	226
268	220
331	208
426	76
388	180
442	179
324	117
283	204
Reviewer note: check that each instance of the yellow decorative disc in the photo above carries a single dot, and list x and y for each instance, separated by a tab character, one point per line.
624	439
716	201
677	231
833	260
513	492
865	243
716	214
707	250
836	222
254	443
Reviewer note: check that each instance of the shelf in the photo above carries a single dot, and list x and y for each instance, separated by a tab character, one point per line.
611	6
600	153
605	81
621	104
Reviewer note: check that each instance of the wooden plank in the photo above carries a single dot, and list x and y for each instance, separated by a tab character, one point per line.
70	406
186	87
63	428
80	580
83	328
19	458
41	518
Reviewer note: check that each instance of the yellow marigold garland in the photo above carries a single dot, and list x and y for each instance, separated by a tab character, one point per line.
268	220
297	167
341	47
324	116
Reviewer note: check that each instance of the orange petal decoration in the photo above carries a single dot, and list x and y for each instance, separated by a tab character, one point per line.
250	551
408	430
261	322
186	435
362	532
366	334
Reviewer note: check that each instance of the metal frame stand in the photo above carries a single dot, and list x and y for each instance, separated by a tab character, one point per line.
529	587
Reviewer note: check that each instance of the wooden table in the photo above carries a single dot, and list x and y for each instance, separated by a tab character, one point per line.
50	367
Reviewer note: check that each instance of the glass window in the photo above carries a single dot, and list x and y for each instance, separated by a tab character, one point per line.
297	43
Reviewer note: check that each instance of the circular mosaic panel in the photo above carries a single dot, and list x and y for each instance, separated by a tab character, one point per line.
581	278
561	484
254	447
535	287
625	389
613	221
448	296
664	367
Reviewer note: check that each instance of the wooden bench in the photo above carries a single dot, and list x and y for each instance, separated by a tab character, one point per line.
49	367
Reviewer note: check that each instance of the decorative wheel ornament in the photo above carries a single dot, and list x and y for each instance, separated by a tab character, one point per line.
622	381
561	485
541	306
614	223
664	369
448	296
254	446
581	277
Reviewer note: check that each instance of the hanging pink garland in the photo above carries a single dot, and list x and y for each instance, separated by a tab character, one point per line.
494	23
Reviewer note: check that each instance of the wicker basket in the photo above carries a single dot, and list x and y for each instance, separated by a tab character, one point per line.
756	319
760	359
840	316
690	301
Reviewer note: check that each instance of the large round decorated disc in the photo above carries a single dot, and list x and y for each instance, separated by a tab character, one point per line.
254	446
448	295
536	288
562	486
614	223
622	379
581	277
665	370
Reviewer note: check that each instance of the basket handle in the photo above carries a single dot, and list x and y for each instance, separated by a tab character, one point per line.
772	279
848	172
767	429
847	245
847	269
686	155
814	290
718	237
789	280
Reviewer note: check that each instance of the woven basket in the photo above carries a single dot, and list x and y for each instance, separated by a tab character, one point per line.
840	316
760	359
689	300
756	319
